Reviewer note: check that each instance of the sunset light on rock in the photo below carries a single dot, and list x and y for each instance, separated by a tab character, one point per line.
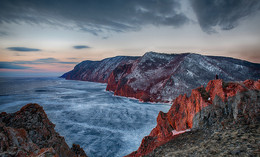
113	78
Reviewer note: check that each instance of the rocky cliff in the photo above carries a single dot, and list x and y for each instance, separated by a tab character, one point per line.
96	71
29	132
161	77
220	104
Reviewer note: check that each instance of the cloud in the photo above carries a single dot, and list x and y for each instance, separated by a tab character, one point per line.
81	47
96	17
20	64
44	61
225	14
2	33
12	65
23	49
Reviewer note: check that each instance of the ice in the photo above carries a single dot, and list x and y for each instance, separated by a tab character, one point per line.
86	114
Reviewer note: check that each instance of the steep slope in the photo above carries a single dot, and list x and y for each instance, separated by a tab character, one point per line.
96	71
217	104
229	139
162	77
29	132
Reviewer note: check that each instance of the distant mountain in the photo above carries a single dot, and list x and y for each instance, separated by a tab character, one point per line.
162	77
96	71
229	108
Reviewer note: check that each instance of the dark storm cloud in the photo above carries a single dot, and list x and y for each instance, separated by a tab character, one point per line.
44	61
23	49
11	65
81	47
94	16
223	13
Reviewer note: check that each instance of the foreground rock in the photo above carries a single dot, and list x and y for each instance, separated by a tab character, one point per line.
232	140
229	106
29	132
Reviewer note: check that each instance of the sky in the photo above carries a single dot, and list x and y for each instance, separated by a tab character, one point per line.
49	37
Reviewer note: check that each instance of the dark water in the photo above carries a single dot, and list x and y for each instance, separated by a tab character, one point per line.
84	113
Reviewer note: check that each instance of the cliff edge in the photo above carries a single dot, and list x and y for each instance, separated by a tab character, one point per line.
160	77
231	106
29	132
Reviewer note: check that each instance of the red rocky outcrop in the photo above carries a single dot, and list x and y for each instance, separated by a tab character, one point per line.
29	132
217	100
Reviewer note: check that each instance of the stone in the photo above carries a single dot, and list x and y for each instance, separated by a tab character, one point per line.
29	132
235	102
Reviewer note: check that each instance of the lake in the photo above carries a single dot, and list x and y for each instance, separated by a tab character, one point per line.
84	112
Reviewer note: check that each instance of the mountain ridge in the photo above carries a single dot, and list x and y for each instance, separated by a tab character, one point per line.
96	71
160	77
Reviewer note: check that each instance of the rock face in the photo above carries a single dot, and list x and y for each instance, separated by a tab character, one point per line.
217	104
231	140
29	132
96	71
160	77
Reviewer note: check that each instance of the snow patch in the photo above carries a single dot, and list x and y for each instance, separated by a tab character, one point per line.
174	132
190	73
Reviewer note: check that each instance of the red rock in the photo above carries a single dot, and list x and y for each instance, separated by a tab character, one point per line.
215	87
181	114
250	84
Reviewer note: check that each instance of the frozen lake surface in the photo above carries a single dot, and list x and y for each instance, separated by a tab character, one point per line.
84	113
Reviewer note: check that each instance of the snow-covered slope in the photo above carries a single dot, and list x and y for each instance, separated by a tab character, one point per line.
96	71
162	77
